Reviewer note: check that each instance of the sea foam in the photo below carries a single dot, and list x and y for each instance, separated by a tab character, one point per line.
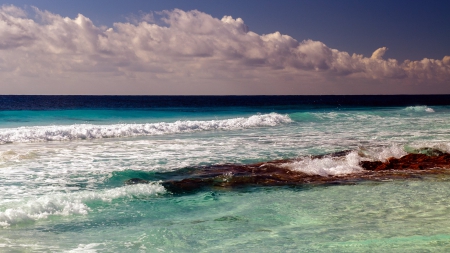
72	203
89	131
419	108
348	164
328	166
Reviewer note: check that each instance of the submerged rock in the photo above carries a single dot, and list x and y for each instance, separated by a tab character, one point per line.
275	173
410	162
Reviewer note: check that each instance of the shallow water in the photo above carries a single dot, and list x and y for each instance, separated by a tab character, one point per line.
403	215
62	174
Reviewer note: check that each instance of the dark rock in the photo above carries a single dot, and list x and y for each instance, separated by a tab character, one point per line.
410	162
272	173
369	165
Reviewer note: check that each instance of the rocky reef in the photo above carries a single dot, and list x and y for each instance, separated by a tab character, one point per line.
274	173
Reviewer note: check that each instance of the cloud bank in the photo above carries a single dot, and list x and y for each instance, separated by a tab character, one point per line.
189	52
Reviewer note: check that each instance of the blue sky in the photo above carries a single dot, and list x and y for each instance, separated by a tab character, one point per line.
410	30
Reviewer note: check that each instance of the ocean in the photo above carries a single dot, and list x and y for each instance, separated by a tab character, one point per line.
65	162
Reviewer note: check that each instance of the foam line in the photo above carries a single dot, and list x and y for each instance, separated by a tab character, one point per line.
89	131
72	203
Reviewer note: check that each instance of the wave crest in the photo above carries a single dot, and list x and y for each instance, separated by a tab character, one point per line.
72	203
419	108
88	131
343	165
327	166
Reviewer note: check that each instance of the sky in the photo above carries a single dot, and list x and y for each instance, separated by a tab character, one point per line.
252	47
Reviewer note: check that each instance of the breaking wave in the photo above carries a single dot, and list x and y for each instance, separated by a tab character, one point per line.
420	108
88	131
330	165
72	203
327	166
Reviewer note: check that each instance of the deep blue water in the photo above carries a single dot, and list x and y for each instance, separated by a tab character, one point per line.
18	102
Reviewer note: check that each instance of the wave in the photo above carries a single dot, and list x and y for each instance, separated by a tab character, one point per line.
72	203
358	115
327	166
420	108
88	131
332	165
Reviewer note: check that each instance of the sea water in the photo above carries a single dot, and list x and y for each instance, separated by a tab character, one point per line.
64	161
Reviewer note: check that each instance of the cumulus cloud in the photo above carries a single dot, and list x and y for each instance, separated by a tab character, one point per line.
378	54
189	46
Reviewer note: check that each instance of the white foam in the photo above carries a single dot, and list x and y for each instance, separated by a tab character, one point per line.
328	166
419	108
72	203
16	155
89	131
86	248
333	166
383	153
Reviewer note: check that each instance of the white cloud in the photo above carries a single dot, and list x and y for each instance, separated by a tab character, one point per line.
378	54
191	53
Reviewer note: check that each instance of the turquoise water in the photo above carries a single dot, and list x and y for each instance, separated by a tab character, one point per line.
62	175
